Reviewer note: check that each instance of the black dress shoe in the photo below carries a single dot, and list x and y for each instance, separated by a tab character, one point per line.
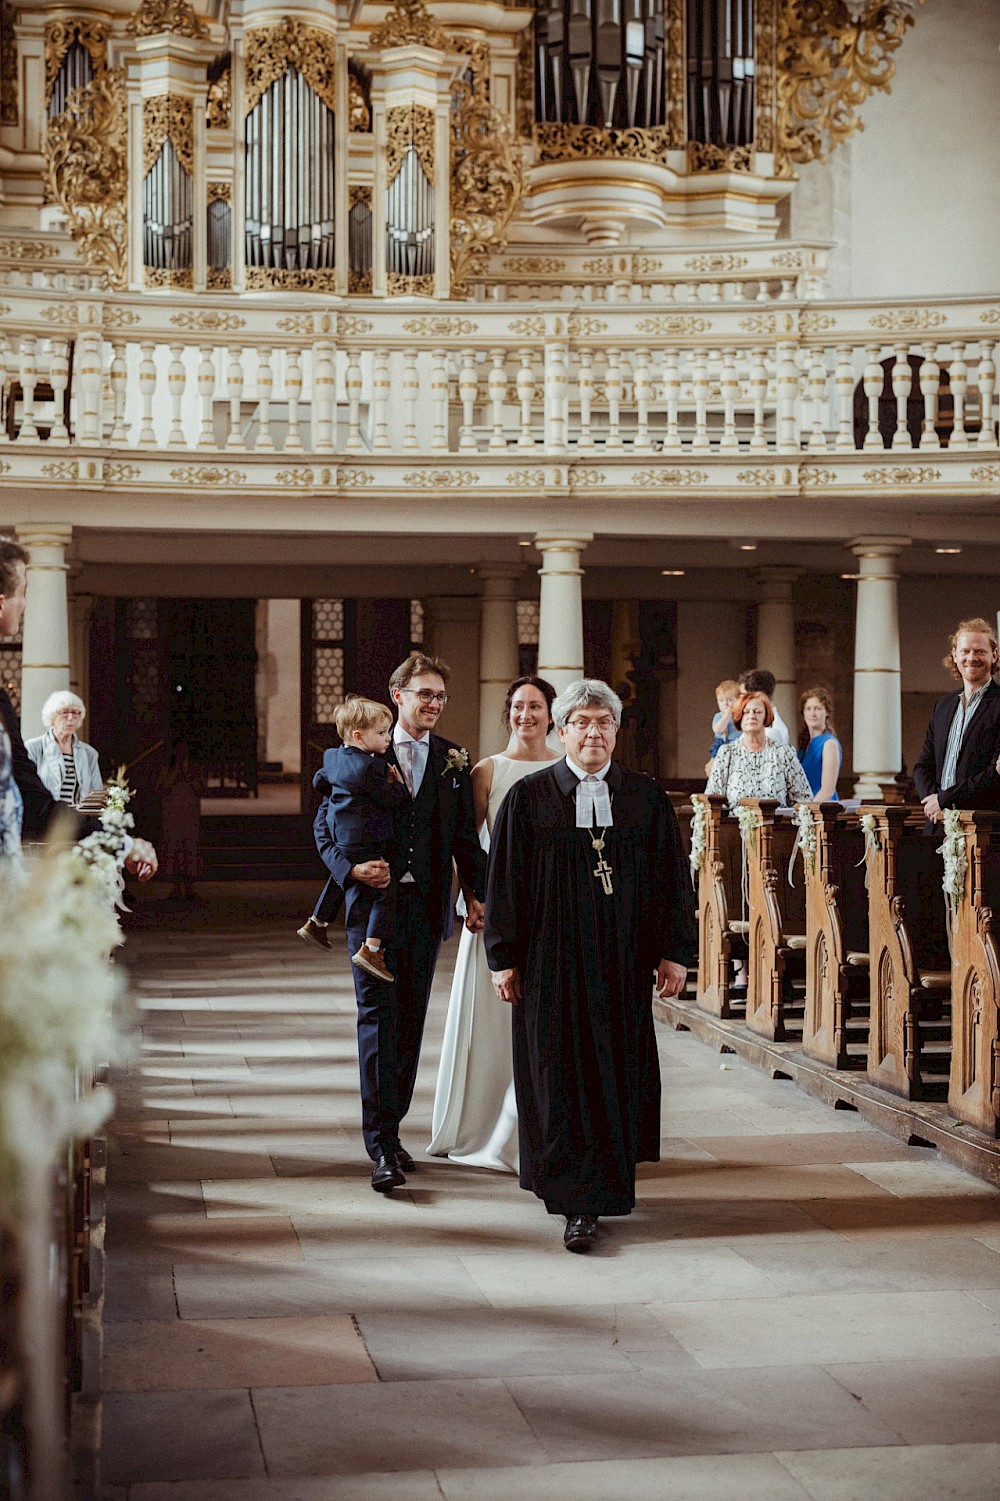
387	1174
581	1232
404	1159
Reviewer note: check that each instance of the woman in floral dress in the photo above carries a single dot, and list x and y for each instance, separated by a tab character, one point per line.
754	766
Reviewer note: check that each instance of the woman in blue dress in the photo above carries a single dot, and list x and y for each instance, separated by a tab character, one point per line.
819	748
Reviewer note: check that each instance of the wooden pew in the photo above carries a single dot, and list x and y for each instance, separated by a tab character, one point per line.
910	969
835	1025
974	1085
718	908
777	917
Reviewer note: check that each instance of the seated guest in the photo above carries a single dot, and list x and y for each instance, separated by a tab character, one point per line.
819	748
66	765
957	766
759	680
754	766
723	729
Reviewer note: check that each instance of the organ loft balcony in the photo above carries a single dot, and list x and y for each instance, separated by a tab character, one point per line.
463	257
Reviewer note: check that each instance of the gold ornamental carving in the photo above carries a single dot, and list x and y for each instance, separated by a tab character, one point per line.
168	117
352	479
219	279
673	323
574	143
704	157
907	320
398	285
530	328
208	320
9	112
272	50
359	113
727	261
302	478
756	477
920	474
86	171
441	327
350	326
219	107
652	479
487	177
208	474
359	192
26	250
830	57
277	279
988	472
816	323
168	278
673	38
59	38
441	479
359	283
219	192
811	474
534	265
408	24
177	16
120	317
765	67
409	125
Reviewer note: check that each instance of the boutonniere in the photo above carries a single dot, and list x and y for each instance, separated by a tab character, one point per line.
455	760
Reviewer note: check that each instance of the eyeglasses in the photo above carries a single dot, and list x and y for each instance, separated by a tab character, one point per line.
604	725
427	697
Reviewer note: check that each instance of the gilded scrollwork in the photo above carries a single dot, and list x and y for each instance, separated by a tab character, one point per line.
359	192
409	23
219	109
702	156
830	57
219	192
673	36
219	279
399	285
765	65
168	117
487	178
561	143
176	278
358	107
59	38
277	279
409	125
272	50
178	16
86	170
8	67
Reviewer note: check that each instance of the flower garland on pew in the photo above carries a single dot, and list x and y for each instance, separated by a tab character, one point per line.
699	840
805	840
59	997
956	861
749	822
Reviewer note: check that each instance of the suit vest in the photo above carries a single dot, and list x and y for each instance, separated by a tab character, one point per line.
419	833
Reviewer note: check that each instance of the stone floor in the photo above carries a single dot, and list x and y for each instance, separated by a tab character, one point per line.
799	1307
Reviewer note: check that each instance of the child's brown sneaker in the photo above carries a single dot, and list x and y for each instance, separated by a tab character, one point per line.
314	932
372	962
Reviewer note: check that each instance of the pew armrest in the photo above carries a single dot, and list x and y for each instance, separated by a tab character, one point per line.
934	979
858	960
794	941
739	927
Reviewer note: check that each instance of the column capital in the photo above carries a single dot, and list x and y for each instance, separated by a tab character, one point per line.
560	542
776	580
500	580
45	534
879	547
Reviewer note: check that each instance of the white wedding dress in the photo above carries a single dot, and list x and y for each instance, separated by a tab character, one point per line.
475	1116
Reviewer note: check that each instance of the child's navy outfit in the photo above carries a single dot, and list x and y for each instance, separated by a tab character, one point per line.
360	820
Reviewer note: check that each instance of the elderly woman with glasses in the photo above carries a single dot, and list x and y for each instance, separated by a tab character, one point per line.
588	904
754	766
68	766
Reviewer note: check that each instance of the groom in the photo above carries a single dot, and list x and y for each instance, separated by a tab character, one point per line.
434	827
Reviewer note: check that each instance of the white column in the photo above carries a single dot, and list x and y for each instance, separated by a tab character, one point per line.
498	652
560	610
776	639
878	719
45	650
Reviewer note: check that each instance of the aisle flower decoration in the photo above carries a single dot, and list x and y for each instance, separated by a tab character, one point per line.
104	850
806	841
749	822
699	825
955	859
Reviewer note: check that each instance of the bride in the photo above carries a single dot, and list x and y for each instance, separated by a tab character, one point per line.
475	1118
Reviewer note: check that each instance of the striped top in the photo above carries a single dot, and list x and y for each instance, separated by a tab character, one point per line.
69	786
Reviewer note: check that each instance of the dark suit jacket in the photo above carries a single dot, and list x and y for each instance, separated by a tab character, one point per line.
447	826
363	801
39	804
976	782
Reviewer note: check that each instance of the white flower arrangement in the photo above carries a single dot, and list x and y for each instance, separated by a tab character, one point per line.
456	760
104	851
955	859
749	822
806	840
58	994
870	831
699	824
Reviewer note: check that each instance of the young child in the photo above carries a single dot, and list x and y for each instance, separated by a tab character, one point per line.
723	729
364	790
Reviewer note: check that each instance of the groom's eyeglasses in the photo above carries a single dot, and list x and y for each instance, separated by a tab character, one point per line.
427	697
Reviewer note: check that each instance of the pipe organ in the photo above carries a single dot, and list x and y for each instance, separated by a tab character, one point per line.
600	62
290	156
720	72
75	72
167	212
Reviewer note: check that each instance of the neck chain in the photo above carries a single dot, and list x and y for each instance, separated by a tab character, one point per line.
602	870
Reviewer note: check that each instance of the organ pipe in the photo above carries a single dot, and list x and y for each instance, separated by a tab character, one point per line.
75	72
289	178
167	213
410	220
720	68
600	62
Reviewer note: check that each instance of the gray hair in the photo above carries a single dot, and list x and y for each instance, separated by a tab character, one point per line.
61	700
586	693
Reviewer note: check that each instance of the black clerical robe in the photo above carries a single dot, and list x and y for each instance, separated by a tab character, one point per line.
586	1071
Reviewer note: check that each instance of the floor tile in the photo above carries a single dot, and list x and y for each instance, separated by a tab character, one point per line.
953	1472
279	1289
178	1436
748	1477
404	1425
168	1238
195	1355
929	1401
405	1485
872	1265
833	1327
810	1147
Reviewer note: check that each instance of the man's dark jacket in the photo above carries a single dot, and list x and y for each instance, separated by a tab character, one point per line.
433	828
976	782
